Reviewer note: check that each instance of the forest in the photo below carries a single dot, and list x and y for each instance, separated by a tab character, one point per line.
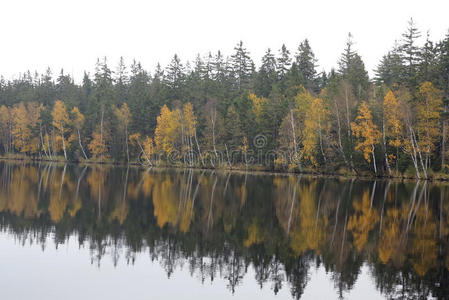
221	111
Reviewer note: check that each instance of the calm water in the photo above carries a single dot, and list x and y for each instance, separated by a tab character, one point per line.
96	232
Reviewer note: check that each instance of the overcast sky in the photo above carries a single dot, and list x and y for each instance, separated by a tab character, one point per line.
72	34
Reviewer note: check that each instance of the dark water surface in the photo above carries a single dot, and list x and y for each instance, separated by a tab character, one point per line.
102	232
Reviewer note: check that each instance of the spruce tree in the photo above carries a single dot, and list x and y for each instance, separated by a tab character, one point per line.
411	52
284	62
306	63
267	74
242	66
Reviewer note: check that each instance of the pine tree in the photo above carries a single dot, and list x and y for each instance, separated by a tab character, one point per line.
410	52
390	70
352	69
121	81
234	133
427	68
283	61
267	75
306	63
242	66
174	77
142	104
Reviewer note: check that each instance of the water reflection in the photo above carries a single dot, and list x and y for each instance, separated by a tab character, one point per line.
219	224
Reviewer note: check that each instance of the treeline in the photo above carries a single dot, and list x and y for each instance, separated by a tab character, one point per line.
220	111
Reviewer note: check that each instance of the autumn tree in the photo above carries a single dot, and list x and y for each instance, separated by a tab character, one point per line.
146	146
367	133
428	114
21	131
97	145
60	121
5	128
124	118
25	121
393	126
77	121
167	130
100	137
189	123
34	111
314	129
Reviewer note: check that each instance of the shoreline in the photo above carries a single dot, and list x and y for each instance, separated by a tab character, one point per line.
236	169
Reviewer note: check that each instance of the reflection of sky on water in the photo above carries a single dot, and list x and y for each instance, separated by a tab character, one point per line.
66	273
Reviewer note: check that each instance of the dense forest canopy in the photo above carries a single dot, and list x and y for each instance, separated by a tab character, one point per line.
222	111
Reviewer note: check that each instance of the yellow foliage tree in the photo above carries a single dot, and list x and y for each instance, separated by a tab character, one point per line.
24	121
428	110
393	123
190	122
60	121
167	130
21	131
77	123
5	128
146	146
313	131
367	133
257	106
98	145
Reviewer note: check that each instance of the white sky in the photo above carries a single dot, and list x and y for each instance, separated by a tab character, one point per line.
72	34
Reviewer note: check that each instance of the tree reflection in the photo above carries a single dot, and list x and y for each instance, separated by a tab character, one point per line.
219	224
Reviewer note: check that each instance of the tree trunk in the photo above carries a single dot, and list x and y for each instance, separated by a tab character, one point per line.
414	158
81	145
227	154
321	139
293	132
213	120
145	153
63	142
199	151
443	142
424	168
340	145
42	141
374	160
126	142
387	163
101	133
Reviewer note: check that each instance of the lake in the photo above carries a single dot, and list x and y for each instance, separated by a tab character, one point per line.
104	232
